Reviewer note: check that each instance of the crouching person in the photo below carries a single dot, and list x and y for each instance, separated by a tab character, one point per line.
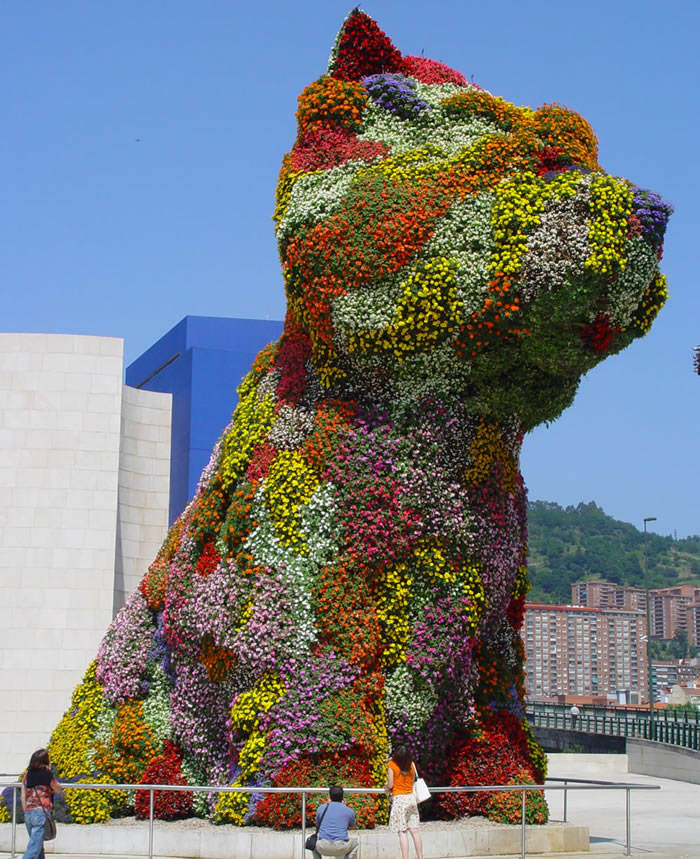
333	821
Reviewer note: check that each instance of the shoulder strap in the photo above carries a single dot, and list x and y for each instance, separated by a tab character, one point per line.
323	814
39	797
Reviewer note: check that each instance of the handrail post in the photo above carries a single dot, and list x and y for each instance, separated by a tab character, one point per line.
303	822
566	797
14	821
628	829
522	850
150	824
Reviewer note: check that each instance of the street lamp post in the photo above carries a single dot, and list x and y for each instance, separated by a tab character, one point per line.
650	680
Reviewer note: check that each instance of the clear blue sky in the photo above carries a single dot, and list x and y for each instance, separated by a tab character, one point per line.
142	141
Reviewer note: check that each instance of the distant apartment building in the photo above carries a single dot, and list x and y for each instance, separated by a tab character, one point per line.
581	651
692	620
676	681
597	593
665	674
688	671
670	609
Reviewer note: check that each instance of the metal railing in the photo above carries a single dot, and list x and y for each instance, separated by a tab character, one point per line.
676	730
566	786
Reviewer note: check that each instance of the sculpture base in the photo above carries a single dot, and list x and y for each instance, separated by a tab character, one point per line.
198	839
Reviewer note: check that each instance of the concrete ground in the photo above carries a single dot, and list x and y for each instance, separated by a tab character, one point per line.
664	822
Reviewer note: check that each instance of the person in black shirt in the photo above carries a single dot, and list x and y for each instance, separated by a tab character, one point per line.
38	788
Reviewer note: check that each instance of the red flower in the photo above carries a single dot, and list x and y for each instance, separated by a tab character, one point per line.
208	560
260	461
432	72
496	756
599	334
165	769
634	226
516	612
550	159
326	147
351	769
363	49
294	352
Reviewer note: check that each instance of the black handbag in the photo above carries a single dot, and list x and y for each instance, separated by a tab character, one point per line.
50	828
312	839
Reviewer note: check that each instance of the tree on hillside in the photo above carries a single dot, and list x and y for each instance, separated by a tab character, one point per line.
580	542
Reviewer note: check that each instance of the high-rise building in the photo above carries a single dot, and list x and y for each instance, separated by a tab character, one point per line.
668	607
576	650
596	593
692	622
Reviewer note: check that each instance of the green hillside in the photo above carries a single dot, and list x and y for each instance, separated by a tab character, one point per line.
569	544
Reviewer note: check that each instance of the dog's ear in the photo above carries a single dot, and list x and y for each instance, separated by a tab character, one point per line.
362	49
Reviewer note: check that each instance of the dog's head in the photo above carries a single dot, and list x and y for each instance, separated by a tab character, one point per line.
439	238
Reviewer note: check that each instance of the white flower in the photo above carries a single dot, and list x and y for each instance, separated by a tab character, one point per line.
625	293
156	706
558	248
409	701
315	196
267	386
292	425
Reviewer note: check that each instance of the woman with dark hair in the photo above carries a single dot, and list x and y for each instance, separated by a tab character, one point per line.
401	773
38	788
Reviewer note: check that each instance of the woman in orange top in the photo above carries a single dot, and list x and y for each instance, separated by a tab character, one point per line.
401	773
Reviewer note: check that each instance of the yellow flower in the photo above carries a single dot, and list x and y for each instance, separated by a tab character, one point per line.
71	743
288	486
427	312
251	423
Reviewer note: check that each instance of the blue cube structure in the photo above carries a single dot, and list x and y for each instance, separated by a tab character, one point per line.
201	362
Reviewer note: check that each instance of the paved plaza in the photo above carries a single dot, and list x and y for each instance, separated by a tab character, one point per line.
665	822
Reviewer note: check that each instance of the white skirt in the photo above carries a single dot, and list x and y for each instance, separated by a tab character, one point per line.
404	813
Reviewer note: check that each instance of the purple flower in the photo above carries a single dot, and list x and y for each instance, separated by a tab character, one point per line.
395	93
652	213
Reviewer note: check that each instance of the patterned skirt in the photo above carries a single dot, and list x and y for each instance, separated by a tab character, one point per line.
404	813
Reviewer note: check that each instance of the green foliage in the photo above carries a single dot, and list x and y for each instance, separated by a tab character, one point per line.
677	647
568	545
688	707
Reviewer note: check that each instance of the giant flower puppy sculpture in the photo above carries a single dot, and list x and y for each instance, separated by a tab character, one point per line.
352	569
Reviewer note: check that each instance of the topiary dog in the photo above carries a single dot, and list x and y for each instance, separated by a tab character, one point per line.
352	569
